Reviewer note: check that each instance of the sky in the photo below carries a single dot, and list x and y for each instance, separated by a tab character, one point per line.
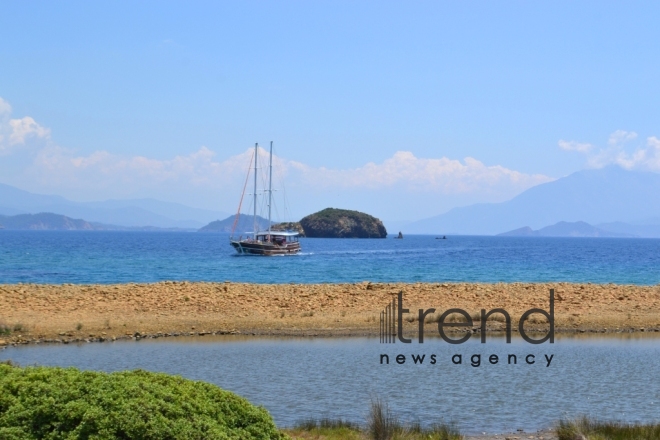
400	109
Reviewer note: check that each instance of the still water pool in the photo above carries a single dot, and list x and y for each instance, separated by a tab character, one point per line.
295	379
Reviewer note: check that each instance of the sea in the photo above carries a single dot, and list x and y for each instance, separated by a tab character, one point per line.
100	257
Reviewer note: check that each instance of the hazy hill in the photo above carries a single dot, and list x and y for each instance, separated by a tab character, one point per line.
649	230
564	229
594	196
47	221
136	212
245	224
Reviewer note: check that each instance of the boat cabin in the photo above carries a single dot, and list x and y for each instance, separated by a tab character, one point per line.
278	237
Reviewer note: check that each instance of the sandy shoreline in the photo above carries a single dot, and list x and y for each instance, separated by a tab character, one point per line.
69	313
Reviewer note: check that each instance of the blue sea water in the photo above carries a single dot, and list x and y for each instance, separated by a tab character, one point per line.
119	257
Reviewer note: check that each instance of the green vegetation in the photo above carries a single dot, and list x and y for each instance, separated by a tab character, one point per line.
4	329
326	429
57	403
342	223
584	428
337	430
381	425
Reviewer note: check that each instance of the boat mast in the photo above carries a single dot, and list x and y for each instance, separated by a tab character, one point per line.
270	185
256	155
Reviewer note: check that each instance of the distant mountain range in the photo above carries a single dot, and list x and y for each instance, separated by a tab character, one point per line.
47	221
627	201
564	229
127	213
611	200
245	224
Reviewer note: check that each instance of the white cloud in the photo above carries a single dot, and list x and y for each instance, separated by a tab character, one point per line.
201	169
102	174
441	175
620	137
647	159
17	131
5	108
575	146
22	129
617	152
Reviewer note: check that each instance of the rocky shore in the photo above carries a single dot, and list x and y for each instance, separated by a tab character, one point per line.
35	313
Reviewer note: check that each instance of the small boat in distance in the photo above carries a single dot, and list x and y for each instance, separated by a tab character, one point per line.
264	242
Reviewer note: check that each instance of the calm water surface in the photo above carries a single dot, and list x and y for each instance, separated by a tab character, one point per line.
300	378
118	257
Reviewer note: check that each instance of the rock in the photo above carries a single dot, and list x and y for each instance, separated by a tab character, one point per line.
342	223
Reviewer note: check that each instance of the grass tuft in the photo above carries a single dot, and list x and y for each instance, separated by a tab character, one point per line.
588	429
325	423
5	330
381	424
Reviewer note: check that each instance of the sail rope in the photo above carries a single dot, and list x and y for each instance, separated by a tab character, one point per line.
238	213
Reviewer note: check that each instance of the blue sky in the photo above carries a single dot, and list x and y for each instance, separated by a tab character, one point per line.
114	86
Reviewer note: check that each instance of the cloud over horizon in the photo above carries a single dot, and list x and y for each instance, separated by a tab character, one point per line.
620	151
58	168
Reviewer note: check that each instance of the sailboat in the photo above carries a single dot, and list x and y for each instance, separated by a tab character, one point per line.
267	242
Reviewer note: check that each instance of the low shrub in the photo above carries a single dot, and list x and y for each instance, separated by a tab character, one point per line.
66	403
588	429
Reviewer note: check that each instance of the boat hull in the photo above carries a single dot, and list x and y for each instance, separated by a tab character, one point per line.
245	247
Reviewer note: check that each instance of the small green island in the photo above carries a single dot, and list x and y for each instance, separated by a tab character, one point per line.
342	223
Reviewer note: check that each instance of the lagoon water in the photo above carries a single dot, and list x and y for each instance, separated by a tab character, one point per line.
613	378
119	257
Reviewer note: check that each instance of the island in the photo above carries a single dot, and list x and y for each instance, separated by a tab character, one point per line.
342	223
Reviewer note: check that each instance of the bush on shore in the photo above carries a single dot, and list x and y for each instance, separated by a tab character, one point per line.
66	403
587	429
